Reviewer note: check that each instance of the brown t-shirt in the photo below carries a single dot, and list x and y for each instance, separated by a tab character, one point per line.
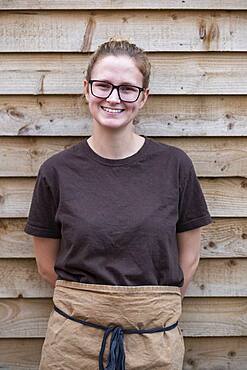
118	218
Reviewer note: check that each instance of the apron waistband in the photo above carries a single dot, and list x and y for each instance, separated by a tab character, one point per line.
116	356
125	289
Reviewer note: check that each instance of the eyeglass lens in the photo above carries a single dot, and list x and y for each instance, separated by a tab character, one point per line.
127	92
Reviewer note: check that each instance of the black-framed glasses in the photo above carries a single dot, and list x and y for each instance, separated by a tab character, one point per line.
126	93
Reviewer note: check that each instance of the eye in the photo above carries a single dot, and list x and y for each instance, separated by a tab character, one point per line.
102	85
127	89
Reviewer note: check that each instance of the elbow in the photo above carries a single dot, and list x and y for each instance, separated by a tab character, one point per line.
190	262
42	271
194	259
49	275
45	271
197	259
194	263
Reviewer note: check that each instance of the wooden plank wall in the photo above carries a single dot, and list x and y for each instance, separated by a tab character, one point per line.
198	102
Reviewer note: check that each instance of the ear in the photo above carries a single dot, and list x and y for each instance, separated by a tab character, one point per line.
144	98
86	89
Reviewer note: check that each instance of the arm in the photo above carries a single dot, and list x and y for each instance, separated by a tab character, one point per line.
45	250
189	243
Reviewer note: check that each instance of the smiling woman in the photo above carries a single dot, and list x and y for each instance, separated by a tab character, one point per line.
125	213
114	89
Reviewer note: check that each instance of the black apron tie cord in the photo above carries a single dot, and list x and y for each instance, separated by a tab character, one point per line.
116	356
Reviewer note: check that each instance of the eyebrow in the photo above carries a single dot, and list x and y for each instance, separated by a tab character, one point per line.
122	83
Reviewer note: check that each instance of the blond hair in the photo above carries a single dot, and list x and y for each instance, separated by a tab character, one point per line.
116	47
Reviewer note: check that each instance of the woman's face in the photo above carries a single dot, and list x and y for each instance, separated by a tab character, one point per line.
117	70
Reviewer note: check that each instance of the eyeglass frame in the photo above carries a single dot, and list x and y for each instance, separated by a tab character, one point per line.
116	87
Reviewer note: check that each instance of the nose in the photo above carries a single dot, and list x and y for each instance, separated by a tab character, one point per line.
114	96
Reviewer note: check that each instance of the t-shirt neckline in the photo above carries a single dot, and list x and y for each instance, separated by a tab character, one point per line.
116	162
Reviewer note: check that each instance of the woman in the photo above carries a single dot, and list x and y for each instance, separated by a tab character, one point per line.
116	221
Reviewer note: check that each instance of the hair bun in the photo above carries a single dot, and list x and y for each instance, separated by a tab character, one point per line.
120	39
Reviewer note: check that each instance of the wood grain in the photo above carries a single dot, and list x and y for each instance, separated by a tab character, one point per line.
127	4
201	353
20	354
212	157
178	116
172	73
214	278
83	31
224	238
218	353
201	317
226	197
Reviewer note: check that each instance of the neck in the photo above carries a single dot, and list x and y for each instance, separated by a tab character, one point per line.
115	144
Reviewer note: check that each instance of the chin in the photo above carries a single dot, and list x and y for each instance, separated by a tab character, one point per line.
112	123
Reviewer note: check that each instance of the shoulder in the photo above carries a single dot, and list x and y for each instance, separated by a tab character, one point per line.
56	162
175	154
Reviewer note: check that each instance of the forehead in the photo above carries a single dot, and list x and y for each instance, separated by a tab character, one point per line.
117	69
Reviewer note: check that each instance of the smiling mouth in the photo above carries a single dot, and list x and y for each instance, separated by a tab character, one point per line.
112	110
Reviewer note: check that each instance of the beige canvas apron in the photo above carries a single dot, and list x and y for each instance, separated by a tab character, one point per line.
74	346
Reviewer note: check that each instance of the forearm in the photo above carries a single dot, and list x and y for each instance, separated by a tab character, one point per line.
189	254
50	276
46	250
188	267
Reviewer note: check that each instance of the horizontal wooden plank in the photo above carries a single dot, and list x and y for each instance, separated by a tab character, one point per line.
162	116
21	279
83	31
214	278
226	197
212	157
201	317
25	318
216	353
219	277
20	354
223	238
127	4
172	73
14	243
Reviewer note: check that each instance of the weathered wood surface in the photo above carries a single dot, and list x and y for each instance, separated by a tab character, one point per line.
83	31
224	238
161	116
212	157
203	317
127	4
20	278
24	318
215	353
172	73
201	353
214	277
14	243
219	277
20	354
226	197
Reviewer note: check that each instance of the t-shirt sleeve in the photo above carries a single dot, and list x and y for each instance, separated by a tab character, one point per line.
192	210
41	219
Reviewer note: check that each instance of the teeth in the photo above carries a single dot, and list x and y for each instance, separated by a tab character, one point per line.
110	110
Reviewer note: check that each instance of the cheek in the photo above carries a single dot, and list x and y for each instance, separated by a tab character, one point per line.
134	109
93	104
